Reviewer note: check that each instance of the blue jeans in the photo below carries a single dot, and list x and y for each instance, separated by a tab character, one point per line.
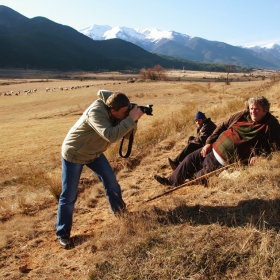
71	173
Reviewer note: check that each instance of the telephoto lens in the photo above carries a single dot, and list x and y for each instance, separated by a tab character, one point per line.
148	110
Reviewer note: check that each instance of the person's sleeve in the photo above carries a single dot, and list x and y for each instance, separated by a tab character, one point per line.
224	126
274	134
204	133
216	133
100	122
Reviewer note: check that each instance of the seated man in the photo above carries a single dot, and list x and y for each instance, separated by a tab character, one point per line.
205	127
244	136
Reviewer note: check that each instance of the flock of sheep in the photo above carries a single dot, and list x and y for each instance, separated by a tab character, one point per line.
66	88
29	91
10	93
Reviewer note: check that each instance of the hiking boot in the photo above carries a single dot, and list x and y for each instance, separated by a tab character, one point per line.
162	180
64	242
172	163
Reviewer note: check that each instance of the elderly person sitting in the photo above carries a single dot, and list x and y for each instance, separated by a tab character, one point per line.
245	135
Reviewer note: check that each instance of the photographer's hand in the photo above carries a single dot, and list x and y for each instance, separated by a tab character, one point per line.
135	113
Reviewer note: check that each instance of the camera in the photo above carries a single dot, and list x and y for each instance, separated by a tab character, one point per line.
148	110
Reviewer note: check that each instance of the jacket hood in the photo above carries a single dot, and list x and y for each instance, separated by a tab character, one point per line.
103	94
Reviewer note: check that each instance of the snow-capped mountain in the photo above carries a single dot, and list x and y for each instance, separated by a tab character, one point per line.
270	53
269	47
96	32
180	45
146	38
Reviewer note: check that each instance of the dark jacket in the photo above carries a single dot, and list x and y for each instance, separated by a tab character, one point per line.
270	141
204	132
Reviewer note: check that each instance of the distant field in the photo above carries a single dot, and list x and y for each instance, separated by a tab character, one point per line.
42	118
207	233
16	76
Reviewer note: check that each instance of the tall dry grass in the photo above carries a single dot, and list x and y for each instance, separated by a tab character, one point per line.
180	121
229	230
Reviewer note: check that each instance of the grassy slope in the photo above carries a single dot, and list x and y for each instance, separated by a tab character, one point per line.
229	230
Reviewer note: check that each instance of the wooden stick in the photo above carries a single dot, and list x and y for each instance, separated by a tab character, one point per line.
192	182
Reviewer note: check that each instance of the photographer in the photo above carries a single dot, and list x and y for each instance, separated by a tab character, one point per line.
105	121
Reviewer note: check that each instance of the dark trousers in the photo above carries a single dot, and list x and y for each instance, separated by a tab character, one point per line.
194	165
191	147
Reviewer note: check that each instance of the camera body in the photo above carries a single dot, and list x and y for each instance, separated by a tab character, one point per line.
148	110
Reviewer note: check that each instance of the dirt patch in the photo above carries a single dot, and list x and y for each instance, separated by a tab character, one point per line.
34	127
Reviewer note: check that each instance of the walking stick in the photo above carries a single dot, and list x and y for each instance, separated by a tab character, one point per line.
192	182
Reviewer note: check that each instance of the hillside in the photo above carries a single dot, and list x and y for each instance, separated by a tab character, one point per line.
182	46
229	230
41	44
215	52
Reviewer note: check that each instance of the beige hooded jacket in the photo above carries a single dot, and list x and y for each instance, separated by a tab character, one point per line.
93	133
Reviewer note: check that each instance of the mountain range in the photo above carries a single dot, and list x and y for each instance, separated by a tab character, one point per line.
39	43
175	44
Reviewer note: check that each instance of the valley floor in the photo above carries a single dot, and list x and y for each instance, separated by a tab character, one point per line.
234	215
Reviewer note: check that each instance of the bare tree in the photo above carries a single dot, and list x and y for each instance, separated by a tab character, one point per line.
155	73
143	73
228	70
160	71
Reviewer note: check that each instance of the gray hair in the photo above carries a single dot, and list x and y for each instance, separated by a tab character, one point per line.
259	100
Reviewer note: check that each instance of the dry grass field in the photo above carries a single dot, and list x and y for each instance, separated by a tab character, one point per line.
229	230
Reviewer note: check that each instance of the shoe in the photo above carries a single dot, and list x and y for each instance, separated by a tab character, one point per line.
64	242
162	180
172	163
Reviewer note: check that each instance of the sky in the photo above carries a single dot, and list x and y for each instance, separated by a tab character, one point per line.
236	22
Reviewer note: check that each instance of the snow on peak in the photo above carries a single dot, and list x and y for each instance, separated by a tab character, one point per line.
155	34
146	36
271	46
268	46
104	32
262	47
96	32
